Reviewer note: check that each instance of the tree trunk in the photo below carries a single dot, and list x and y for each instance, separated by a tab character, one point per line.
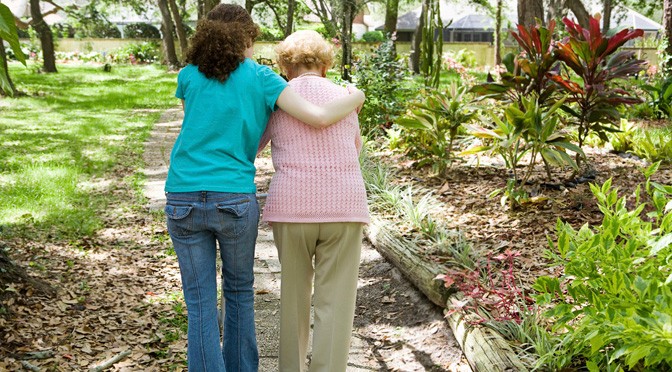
249	5
498	33
204	6
322	10
417	39
346	32
289	26
391	15
179	28
579	10
606	16
169	55
46	38
529	11
3	60
667	23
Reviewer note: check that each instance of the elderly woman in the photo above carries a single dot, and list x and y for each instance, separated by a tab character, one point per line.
317	207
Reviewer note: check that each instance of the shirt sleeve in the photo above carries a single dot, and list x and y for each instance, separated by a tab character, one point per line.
179	93
273	84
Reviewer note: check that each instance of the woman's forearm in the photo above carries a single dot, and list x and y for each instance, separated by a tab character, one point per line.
319	116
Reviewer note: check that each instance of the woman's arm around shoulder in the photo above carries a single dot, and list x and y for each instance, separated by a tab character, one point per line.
319	116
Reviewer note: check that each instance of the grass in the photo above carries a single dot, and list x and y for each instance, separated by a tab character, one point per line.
67	133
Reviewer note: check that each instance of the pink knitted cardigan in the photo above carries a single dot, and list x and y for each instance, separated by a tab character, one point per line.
317	175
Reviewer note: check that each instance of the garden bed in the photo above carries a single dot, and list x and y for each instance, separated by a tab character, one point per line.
492	228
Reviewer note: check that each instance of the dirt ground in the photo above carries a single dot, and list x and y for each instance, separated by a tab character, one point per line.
119	291
491	228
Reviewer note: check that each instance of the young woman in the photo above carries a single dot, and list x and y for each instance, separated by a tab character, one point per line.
317	207
210	189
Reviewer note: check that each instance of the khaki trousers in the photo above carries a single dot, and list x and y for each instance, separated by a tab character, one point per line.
335	249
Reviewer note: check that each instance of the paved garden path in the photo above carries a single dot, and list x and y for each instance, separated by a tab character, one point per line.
367	353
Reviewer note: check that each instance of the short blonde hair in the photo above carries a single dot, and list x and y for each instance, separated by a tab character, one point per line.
304	48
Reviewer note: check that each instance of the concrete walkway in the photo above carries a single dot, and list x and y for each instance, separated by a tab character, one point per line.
267	265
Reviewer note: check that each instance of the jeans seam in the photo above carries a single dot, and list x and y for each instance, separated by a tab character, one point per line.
200	308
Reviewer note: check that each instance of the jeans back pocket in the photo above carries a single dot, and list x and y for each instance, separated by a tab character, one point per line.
180	221
234	216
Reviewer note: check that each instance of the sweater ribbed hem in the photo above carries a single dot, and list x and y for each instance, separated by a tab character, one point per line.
364	220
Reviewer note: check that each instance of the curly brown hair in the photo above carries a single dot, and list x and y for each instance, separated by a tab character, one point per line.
220	41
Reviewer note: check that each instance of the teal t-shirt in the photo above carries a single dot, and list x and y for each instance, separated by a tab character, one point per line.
223	123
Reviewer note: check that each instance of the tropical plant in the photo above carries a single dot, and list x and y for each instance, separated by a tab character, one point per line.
529	72
655	146
432	44
531	131
625	139
594	59
613	305
660	96
8	33
440	116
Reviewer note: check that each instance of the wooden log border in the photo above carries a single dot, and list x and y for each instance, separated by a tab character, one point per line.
484	349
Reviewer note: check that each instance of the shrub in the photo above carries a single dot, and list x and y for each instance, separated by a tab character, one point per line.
373	37
382	77
269	34
63	30
141	31
145	52
612	307
439	118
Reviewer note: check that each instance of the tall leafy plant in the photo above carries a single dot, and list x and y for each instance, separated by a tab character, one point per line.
612	307
439	118
593	65
531	131
8	33
382	77
432	45
530	71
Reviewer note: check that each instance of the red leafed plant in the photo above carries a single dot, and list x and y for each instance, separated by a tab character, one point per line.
594	58
490	293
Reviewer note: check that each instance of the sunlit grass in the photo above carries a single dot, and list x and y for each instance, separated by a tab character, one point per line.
68	129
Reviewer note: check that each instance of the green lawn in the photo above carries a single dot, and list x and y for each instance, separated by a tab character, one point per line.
66	135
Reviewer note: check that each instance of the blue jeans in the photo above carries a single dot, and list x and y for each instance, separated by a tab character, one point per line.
196	222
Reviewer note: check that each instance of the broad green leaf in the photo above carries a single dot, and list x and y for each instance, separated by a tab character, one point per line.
8	33
657	245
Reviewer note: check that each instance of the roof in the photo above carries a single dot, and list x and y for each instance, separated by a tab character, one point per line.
462	14
474	17
623	17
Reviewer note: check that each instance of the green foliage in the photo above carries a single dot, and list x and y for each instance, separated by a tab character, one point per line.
141	31
654	145
413	210
594	58
660	96
531	131
90	21
382	76
625	139
431	51
373	37
145	52
8	33
439	117
70	130
613	305
269	34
